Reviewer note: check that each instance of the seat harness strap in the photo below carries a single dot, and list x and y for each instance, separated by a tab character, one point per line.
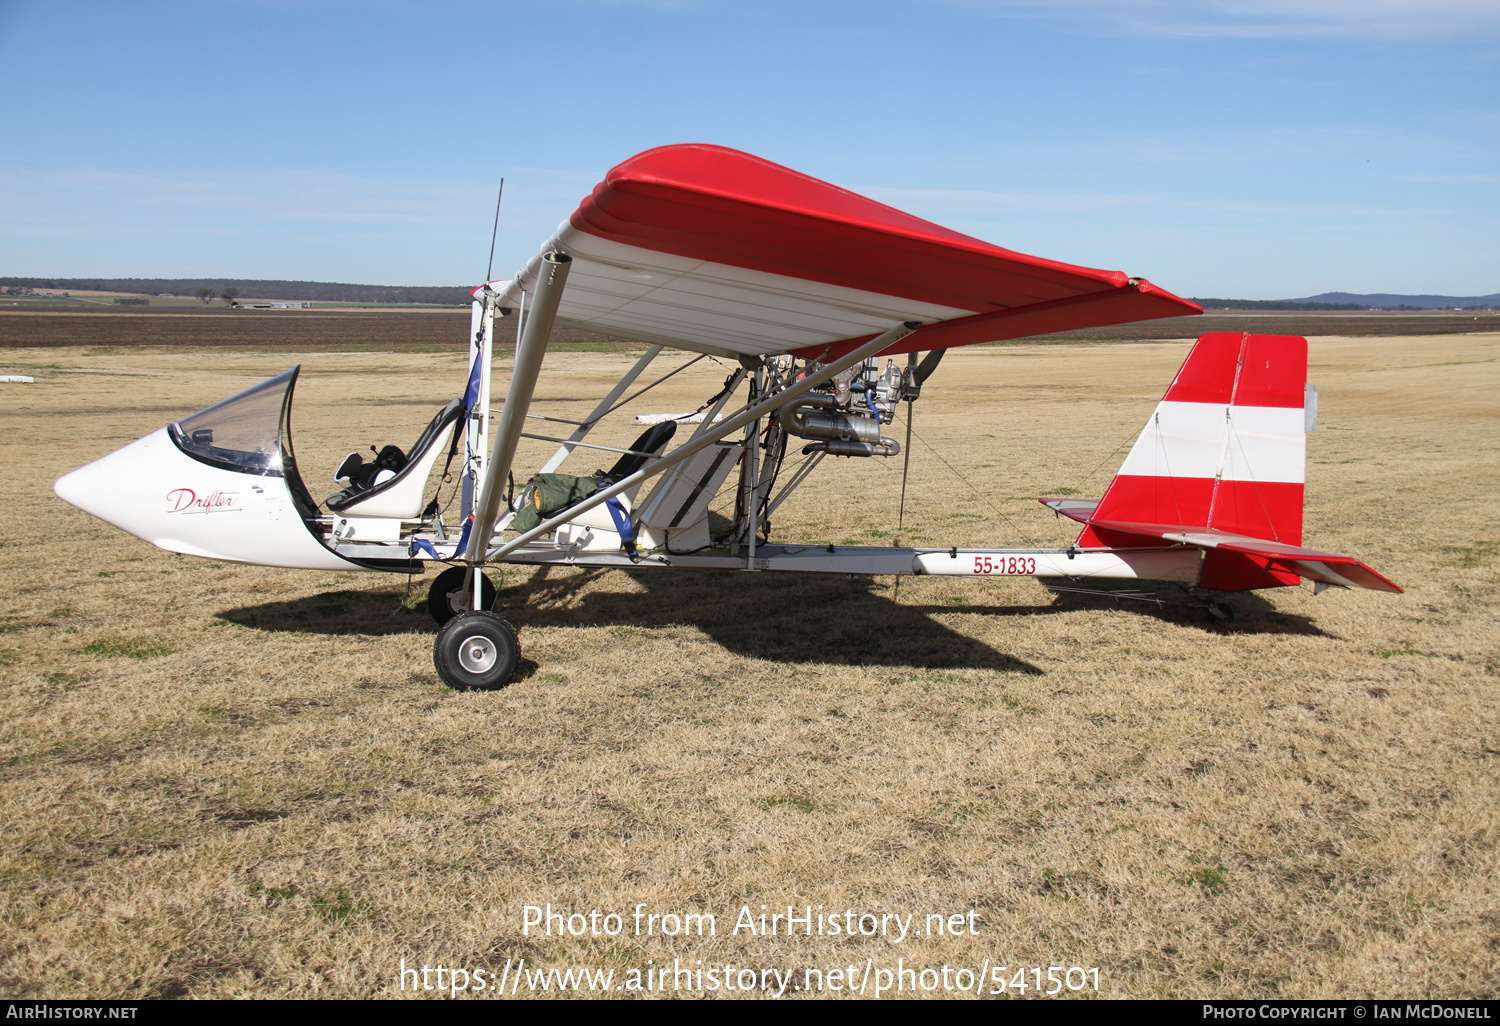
623	524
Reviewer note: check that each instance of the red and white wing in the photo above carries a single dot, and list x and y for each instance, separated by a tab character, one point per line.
709	249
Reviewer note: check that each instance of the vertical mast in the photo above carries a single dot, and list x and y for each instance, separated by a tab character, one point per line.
486	357
478	367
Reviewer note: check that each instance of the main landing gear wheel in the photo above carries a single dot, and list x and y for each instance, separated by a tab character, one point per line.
476	651
448	597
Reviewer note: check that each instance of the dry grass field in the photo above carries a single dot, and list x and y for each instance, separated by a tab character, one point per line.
233	781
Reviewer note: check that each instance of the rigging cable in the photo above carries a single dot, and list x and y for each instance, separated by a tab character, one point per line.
1014	526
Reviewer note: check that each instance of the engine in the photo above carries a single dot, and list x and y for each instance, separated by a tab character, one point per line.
846	418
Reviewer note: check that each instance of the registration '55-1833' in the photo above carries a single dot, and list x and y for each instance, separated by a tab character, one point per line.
1005	565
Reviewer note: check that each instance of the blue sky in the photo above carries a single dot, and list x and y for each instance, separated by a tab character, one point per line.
1242	148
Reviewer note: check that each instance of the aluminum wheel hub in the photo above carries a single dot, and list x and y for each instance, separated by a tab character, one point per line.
477	654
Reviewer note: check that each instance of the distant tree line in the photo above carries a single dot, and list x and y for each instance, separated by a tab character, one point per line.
1271	304
305	291
205	295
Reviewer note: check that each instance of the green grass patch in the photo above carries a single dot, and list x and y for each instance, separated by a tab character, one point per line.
63	678
800	802
1477	554
9	656
1212	879
272	895
339	905
128	648
1402	652
1017	706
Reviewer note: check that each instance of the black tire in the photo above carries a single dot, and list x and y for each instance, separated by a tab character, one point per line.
447	597
476	651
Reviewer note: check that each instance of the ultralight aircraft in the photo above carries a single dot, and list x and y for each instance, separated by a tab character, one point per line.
805	288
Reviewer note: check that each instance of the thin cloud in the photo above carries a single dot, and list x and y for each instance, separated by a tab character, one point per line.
1373	19
1436	179
306	197
278	223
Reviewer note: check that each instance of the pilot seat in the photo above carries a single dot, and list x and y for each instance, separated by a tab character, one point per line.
393	483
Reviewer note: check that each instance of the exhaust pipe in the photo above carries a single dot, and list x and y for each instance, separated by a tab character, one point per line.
839	433
841	447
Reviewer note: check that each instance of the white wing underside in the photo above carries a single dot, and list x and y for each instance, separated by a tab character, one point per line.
647	296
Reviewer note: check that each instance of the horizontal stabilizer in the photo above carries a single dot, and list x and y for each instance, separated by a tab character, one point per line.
1344	571
1075	509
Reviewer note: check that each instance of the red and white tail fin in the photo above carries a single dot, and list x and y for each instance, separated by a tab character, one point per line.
1220	465
1225	448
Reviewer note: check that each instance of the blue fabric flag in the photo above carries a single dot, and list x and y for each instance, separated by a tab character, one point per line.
471	394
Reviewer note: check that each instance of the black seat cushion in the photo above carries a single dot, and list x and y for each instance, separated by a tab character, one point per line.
652	439
348	468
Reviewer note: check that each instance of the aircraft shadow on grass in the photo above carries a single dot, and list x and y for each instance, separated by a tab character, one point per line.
1238	613
832	608
841	620
805	620
784	618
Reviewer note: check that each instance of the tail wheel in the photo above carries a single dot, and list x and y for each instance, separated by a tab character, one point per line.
477	651
448	597
1221	612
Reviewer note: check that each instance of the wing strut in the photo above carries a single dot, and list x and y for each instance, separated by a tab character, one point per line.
702	441
605	404
529	352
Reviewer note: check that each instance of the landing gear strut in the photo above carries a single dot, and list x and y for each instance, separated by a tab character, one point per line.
448	597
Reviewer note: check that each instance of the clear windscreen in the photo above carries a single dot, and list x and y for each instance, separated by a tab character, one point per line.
242	432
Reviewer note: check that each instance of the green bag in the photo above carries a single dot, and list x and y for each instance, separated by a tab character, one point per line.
550	494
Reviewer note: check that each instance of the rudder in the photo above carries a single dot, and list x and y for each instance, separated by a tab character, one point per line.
1225	449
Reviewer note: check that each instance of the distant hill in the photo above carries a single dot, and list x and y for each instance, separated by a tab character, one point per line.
1272	304
1354	301
1385	301
342	292
308	291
